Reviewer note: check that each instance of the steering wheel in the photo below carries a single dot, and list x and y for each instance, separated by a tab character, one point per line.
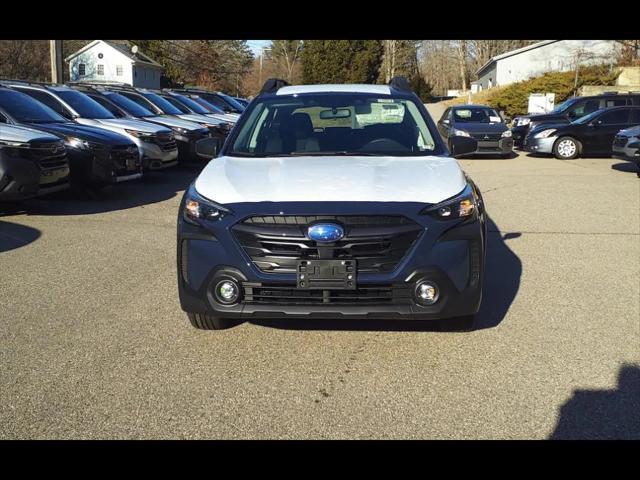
383	144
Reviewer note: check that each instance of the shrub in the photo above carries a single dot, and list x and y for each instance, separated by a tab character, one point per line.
514	98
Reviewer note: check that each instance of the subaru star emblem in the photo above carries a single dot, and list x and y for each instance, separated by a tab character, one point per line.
325	232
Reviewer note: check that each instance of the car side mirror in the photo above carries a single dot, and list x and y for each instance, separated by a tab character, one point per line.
462	146
208	147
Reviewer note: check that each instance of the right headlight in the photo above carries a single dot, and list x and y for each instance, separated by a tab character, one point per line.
463	205
545	133
459	133
523	121
197	208
144	136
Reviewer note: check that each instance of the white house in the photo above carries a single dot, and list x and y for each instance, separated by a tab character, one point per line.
542	57
114	62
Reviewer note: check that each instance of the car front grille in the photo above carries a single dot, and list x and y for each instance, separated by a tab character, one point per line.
125	157
48	155
487	137
620	141
166	142
287	294
276	243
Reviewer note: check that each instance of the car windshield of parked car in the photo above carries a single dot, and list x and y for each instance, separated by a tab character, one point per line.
86	106
129	106
563	106
476	115
195	106
24	109
237	106
209	106
329	124
162	104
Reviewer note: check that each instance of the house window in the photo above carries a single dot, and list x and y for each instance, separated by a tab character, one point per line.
119	70
100	69
81	69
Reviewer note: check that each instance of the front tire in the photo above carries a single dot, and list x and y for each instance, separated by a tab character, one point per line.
206	321
566	148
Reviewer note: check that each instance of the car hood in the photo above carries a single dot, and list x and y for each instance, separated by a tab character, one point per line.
481	127
126	123
548	126
630	132
85	132
13	133
331	178
171	121
196	117
224	117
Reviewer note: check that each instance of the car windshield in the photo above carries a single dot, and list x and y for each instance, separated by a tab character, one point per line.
129	106
86	106
333	124
476	115
209	106
162	104
25	109
196	107
587	118
563	106
237	106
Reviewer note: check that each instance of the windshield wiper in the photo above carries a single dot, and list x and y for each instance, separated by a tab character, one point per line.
344	153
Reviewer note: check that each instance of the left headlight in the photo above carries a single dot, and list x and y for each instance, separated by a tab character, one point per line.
75	142
507	134
545	133
459	133
463	205
144	136
197	208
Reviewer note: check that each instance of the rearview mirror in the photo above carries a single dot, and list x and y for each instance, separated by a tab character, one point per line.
208	147
462	146
335	113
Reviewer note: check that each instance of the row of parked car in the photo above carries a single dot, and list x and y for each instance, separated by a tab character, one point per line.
95	134
607	124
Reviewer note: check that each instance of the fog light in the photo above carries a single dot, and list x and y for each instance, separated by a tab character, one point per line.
227	292
427	293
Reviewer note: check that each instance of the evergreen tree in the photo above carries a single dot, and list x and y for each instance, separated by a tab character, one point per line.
341	61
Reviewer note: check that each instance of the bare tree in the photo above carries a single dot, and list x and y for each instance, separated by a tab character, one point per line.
286	54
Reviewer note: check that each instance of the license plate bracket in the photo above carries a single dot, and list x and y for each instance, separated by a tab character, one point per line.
326	274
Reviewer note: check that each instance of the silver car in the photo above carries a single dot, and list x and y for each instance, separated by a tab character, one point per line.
626	146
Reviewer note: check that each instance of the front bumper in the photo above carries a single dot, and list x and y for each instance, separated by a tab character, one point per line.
155	157
500	147
451	254
103	166
518	134
21	178
539	145
626	153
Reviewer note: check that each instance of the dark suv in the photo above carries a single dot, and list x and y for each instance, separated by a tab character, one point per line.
569	111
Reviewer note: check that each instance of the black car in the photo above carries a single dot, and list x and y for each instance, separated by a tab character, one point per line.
568	111
97	157
32	162
480	122
592	134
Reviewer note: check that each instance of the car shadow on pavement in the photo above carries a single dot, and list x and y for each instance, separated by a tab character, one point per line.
630	167
153	187
603	414
501	284
13	235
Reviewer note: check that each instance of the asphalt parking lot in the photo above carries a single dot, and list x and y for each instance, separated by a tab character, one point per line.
94	344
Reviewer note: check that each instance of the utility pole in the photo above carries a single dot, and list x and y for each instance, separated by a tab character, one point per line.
261	55
55	49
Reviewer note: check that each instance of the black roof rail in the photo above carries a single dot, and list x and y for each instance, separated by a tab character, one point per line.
400	83
30	82
272	85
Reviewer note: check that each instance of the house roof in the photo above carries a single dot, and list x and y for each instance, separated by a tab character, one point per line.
512	53
124	48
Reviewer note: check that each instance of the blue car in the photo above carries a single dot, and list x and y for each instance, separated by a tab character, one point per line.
333	201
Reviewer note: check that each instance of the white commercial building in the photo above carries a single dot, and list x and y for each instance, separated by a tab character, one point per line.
542	57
